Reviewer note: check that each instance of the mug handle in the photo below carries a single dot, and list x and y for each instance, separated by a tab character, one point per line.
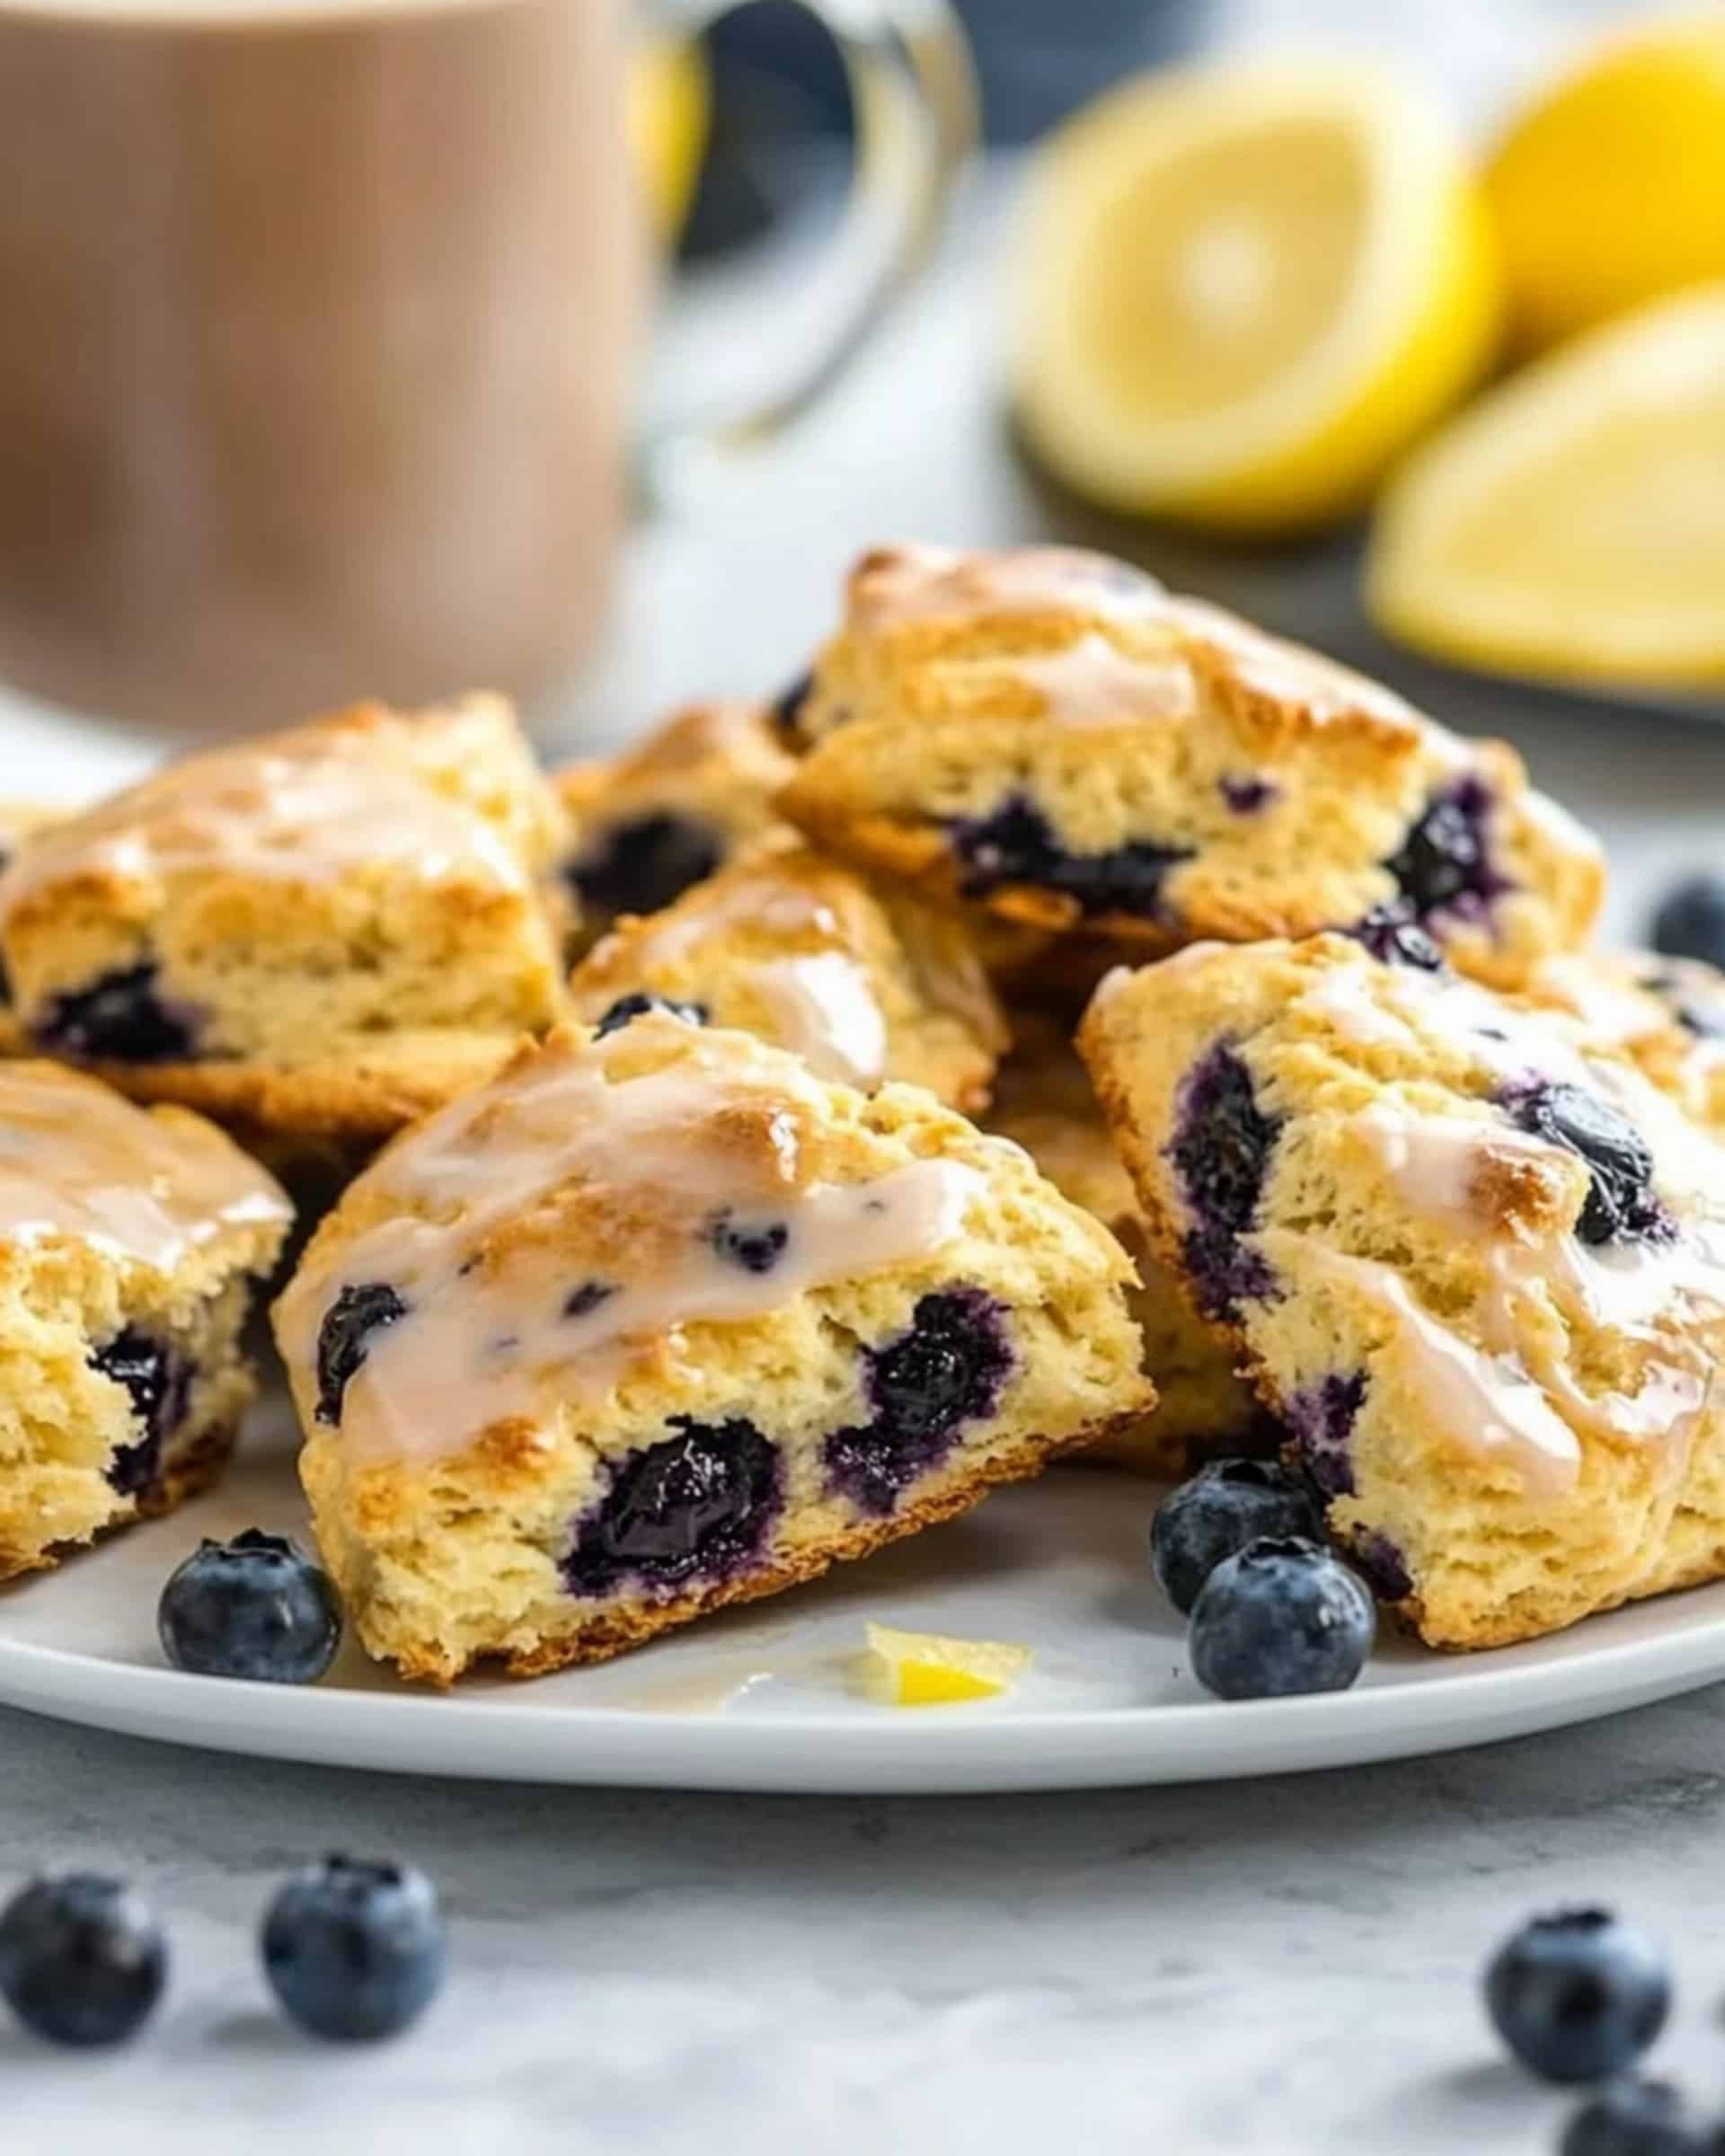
915	96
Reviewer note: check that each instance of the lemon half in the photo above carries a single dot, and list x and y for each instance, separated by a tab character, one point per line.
1241	292
1572	524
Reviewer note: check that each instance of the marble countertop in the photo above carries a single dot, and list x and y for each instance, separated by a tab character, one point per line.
1277	1966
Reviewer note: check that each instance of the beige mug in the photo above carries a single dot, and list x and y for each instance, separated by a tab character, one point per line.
320	324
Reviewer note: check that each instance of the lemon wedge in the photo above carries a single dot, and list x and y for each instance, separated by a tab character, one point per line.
924	1669
1609	190
1572	524
669	118
1242	291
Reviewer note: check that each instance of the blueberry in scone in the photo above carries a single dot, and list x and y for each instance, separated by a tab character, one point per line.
312	936
1471	1255
1051	735
1668	1014
674	1324
864	984
132	1245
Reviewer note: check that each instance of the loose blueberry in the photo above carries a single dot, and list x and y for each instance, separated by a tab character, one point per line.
755	1245
1213	1517
344	1338
1283	1616
1443	864
922	1388
1394	938
638	1004
355	1951
587	1298
1221	1152
640	865
1015	844
120	1016
1689	922
1620	1205
696	1506
1321	1418
83	1959
1578	1996
1636	2118
787	708
256	1607
159	1379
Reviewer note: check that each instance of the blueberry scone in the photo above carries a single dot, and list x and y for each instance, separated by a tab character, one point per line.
675	807
18	821
1473	1255
318	933
1052	734
1668	1013
863	986
657	1321
1044	1102
132	1242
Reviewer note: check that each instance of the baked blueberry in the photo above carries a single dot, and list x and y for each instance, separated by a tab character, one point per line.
1394	938
1689	922
699	1505
344	1338
355	1951
1380	1564
1015	844
1221	1152
587	1298
1214	1516
618	1014
1443	864
255	1606
1578	1996
1637	2118
159	1379
1321	1418
83	1959
1620	1205
755	1245
921	1387
120	1016
1246	797
639	865
1281	1616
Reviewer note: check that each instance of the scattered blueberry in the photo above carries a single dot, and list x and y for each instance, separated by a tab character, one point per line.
587	1298
1214	1516
1620	1205
1444	863
640	865
1281	1616
344	1338
159	1379
1690	921
698	1505
355	1951
1015	844
120	1016
637	1005
256	1606
1221	1152
1394	938
787	707
755	1245
1321	1419
1636	2118
83	1960
1578	1996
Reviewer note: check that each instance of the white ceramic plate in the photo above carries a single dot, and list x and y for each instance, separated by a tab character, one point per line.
769	1698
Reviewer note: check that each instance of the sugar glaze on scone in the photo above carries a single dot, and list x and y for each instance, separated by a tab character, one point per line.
132	1242
1473	1255
1668	1013
864	985
657	1322
321	932
1050	733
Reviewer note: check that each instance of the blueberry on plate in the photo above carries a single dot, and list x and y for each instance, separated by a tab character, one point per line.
254	1607
1636	2118
355	1951
1689	922
83	1959
1577	1995
1282	1616
1226	1506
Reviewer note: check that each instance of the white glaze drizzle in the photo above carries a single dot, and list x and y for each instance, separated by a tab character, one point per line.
901	584
1093	683
825	1010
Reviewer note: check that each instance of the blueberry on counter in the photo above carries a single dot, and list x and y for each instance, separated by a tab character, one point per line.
355	1951
1636	2118
1689	922
253	1607
1283	1616
1578	1996
1214	1516
83	1959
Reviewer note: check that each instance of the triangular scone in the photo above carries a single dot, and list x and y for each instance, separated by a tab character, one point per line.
657	1322
318	933
1475	1259
1052	734
863	984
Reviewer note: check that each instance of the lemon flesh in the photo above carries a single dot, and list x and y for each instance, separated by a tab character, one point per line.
1610	190
1572	524
1241	292
925	1669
